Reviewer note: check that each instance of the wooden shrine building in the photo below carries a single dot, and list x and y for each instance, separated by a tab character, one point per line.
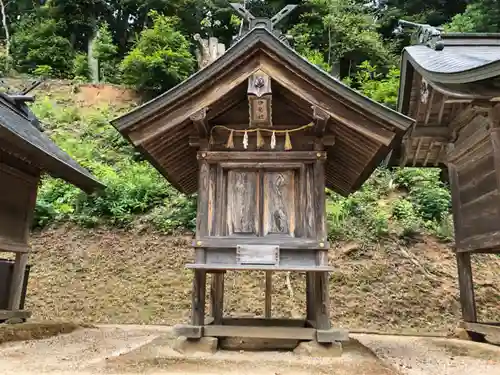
25	153
450	84
258	133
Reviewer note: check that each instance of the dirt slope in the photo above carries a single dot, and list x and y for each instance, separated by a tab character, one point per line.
113	276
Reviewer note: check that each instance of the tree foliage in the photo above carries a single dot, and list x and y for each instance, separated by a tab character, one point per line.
37	41
160	59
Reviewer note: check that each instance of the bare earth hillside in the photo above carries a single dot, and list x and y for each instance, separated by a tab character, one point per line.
114	276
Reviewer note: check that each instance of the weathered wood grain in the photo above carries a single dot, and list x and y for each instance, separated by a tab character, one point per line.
242	208
283	242
478	186
198	297
217	297
321	301
261	332
263	156
279	203
17	281
487	243
202	216
253	267
466	284
268	294
456	204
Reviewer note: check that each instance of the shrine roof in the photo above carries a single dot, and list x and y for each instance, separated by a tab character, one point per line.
466	58
366	130
20	134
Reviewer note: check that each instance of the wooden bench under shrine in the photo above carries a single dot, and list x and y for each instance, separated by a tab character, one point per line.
25	154
258	133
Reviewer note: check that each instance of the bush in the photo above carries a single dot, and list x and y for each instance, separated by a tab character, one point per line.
160	59
43	71
81	68
37	42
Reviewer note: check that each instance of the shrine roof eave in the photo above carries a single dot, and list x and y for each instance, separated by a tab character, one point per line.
466	58
261	35
20	135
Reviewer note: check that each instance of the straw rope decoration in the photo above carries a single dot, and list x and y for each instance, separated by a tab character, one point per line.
260	139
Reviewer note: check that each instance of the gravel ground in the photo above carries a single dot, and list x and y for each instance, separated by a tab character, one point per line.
424	356
147	349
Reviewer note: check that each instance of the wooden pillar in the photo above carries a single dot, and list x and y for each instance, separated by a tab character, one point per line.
198	302
217	297
269	288
321	287
18	281
310	313
321	301
466	284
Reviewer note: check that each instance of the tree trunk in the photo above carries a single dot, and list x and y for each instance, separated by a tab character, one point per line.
7	36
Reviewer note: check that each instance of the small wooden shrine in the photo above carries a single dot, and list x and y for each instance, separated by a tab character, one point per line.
258	133
450	84
26	153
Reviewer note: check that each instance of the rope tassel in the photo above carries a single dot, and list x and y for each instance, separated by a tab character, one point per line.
273	141
230	140
288	142
245	140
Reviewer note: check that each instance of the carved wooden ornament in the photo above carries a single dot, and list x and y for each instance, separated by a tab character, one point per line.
260	100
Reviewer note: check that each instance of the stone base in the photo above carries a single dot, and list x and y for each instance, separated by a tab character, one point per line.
203	345
461	334
314	349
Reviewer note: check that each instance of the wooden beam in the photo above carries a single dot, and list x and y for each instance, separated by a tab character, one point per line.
199	118
310	313
441	110
18	281
431	132
217	297
297	333
440	153
428	154
221	140
321	118
417	151
322	301
198	298
428	110
466	284
269	289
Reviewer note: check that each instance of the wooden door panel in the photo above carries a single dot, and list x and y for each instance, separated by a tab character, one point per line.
279	216
242	202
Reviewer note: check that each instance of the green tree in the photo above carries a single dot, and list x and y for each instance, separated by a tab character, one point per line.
160	59
344	31
106	52
37	41
479	16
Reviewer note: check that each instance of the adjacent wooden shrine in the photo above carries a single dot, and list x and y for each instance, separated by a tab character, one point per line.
451	85
25	154
258	133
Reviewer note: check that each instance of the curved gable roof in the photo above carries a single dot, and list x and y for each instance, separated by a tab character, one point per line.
163	124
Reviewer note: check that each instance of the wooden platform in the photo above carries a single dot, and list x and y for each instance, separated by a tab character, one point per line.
292	329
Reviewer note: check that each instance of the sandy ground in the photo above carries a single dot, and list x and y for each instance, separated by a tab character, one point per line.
147	350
